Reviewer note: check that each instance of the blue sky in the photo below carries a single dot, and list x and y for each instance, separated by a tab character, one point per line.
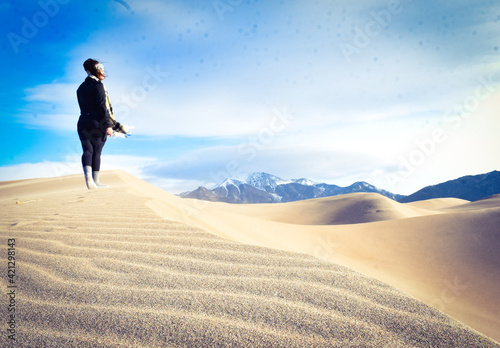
399	93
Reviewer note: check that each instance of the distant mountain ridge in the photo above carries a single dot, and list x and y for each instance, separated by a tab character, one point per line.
266	188
470	187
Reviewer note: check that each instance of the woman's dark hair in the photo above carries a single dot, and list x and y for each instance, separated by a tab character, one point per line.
90	65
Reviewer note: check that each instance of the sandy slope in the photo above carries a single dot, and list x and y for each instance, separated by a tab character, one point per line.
135	266
445	252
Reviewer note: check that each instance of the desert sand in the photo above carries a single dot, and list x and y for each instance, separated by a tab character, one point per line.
134	266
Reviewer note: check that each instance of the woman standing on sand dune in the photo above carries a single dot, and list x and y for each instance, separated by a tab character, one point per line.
96	121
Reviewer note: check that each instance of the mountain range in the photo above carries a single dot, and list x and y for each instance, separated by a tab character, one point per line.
267	188
470	187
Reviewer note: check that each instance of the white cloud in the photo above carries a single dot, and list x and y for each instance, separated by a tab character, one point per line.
132	164
72	165
51	106
52	93
45	169
210	166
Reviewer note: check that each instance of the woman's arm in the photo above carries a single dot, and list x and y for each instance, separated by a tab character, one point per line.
101	106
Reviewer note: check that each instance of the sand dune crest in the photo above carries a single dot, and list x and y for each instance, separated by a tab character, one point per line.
347	209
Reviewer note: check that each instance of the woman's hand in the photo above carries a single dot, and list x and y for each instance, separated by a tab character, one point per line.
109	131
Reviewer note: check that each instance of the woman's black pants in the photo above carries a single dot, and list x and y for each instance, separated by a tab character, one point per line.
93	140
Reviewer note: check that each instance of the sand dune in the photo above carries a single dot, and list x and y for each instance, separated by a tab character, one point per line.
347	209
438	203
132	266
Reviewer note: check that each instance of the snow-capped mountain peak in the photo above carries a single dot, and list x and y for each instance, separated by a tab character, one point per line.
229	182
262	181
305	182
